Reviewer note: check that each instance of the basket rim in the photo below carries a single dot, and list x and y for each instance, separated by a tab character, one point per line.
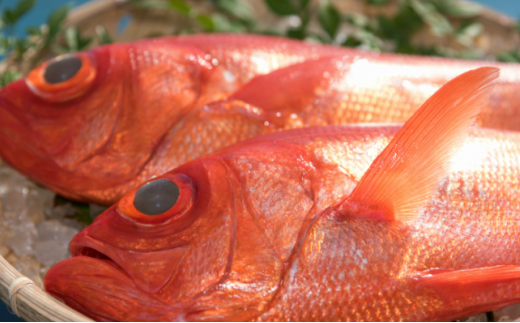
34	304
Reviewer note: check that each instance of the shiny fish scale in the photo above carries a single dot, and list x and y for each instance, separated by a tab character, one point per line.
472	221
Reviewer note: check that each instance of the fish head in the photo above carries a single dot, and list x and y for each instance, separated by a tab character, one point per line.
74	118
191	244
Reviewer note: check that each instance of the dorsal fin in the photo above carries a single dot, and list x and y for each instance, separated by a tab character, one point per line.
456	284
405	175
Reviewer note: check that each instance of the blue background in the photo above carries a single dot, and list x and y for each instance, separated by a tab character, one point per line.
38	15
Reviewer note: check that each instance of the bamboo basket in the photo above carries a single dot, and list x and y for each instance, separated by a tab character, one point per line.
32	303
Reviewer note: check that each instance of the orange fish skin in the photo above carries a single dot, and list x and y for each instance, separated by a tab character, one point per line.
251	255
101	136
136	120
373	88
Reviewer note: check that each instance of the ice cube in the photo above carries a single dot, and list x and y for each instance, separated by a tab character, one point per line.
34	205
5	232
14	207
43	271
56	213
55	230
11	178
73	223
29	267
51	251
23	238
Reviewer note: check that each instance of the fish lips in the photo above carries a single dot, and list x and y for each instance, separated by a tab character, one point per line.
101	290
109	283
150	271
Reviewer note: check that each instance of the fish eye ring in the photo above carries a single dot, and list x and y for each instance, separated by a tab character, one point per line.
63	78
158	202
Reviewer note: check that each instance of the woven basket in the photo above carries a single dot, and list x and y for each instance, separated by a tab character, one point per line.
32	303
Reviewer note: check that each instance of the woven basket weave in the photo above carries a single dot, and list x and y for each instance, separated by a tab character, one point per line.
33	304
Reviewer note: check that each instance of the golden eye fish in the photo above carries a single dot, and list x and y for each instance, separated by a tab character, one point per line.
94	125
361	222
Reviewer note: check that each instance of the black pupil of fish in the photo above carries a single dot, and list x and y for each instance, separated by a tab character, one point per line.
61	70
156	197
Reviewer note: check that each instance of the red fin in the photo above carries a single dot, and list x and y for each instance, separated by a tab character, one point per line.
288	90
452	284
405	175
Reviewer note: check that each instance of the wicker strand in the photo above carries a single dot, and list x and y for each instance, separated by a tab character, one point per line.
16	285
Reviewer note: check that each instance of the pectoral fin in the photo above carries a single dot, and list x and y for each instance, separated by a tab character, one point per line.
405	175
288	90
456	284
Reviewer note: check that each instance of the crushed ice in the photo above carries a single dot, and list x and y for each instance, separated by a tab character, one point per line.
34	234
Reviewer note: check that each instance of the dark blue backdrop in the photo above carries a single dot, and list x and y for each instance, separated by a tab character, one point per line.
43	8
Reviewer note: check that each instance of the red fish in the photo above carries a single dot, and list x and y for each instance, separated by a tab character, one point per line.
362	222
93	125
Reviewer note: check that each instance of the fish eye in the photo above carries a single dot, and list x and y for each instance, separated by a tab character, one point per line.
61	70
63	78
156	197
158	202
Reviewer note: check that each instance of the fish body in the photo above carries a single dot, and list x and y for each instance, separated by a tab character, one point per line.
359	222
135	110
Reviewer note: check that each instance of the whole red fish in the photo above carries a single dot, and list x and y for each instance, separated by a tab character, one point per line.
366	222
93	125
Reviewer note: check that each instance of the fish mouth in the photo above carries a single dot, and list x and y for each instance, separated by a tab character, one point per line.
95	283
103	291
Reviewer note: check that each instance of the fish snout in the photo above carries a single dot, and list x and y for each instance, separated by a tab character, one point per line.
150	271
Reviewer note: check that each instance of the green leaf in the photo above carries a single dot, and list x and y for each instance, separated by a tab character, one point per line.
509	57
205	22
82	213
269	31
316	39
71	37
358	19
376	3
180	6
296	33
149	4
467	32
457	9
9	17
34	31
351	42
304	4
60	49
54	23
8	77
23	6
439	25
329	18
103	36
236	8
75	41
222	24
20	45
281	7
